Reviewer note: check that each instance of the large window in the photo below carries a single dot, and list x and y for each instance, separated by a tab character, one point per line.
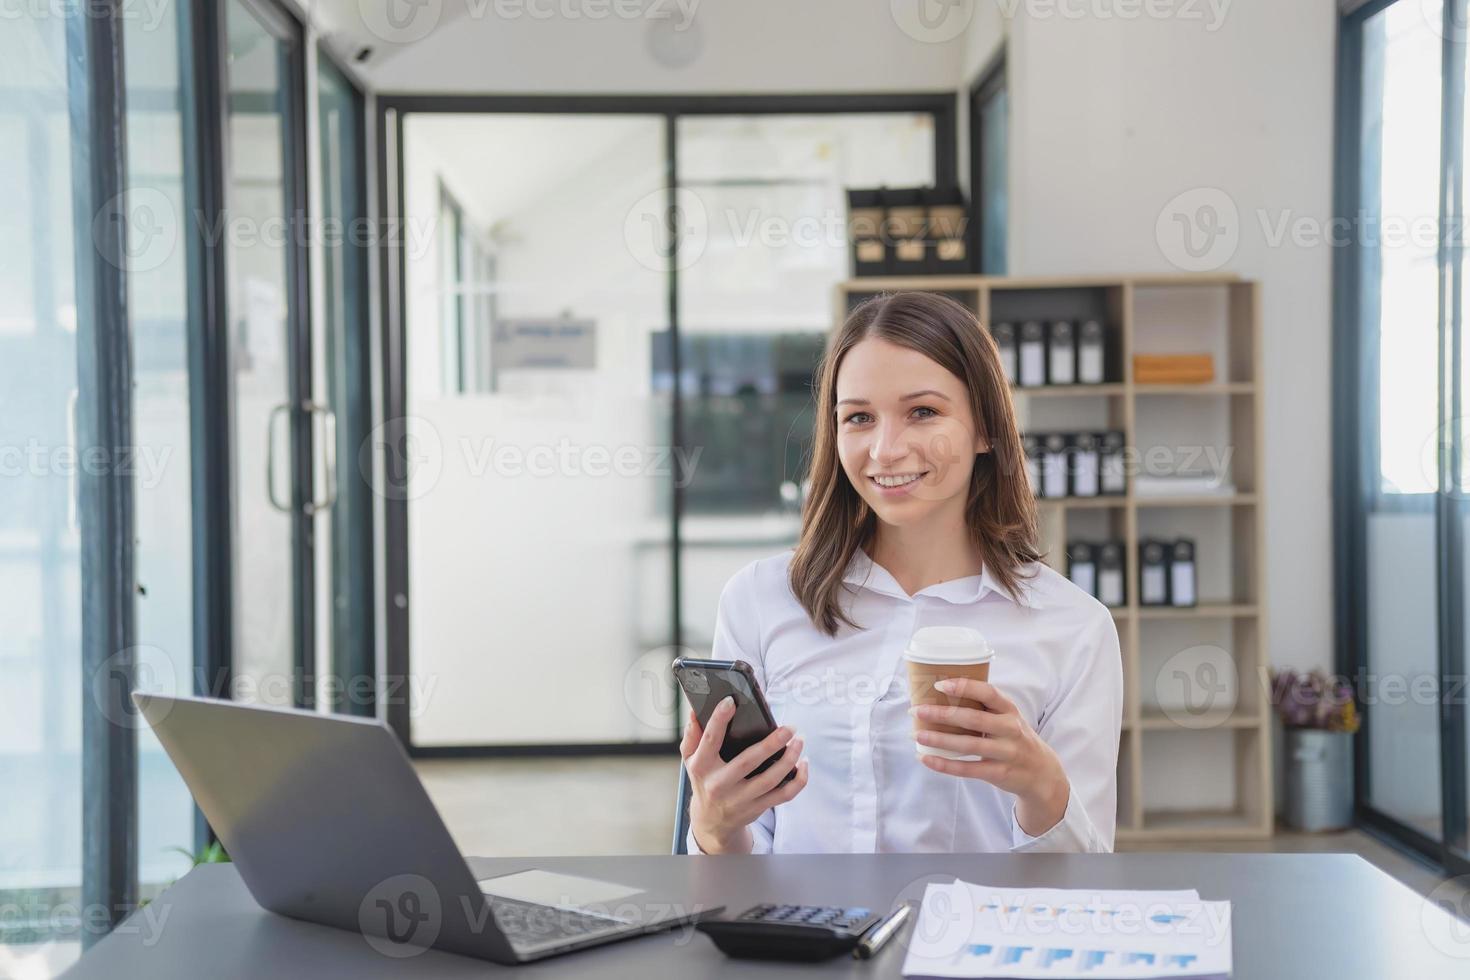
158	307
122	427
1401	502
466	264
40	580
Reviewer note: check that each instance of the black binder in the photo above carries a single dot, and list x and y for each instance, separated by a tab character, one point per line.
1092	353
1005	339
1112	579
1183	574
1086	457
1061	354
1055	460
1031	364
1082	566
1112	466
1031	446
1153	573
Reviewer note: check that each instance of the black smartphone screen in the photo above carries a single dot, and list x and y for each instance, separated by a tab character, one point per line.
708	682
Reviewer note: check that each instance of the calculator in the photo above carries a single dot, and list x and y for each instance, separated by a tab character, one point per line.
790	932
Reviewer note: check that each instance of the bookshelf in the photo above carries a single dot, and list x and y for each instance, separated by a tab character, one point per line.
1189	767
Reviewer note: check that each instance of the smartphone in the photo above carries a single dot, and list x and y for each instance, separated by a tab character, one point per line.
708	682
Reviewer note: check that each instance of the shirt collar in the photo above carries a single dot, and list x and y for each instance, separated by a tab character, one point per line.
864	573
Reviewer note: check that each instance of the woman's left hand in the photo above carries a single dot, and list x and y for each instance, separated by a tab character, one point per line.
1013	756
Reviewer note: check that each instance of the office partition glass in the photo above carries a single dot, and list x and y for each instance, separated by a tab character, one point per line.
538	497
40	647
1401	294
263	329
764	199
1401	388
341	360
1454	470
158	305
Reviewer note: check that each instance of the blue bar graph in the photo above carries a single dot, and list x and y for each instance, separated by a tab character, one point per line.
1051	956
1012	954
1138	958
1092	958
1180	959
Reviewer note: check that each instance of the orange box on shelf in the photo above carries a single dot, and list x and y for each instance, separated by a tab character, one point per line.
1173	368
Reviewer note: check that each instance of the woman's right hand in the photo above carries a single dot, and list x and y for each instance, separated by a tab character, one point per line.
724	803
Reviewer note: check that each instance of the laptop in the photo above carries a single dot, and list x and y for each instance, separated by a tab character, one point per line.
326	821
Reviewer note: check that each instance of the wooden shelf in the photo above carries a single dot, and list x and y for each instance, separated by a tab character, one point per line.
1219	313
1205	610
1082	503
1070	391
1202	825
1195	500
1214	388
1156	719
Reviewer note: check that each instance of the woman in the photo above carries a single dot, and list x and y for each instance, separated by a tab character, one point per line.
919	514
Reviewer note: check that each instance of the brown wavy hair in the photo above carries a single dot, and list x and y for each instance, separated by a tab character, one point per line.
1001	510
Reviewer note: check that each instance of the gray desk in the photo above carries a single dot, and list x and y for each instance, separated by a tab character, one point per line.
1296	916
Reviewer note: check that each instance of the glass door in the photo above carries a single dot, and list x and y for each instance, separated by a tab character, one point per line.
1454	467
40	536
536	457
1401	381
268	353
342	508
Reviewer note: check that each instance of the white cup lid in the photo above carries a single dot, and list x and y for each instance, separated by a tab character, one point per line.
948	645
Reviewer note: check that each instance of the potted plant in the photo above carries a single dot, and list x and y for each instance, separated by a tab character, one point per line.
1319	715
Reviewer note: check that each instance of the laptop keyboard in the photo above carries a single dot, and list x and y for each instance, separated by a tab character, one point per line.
528	924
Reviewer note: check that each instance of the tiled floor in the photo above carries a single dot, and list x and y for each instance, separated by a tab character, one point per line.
626	806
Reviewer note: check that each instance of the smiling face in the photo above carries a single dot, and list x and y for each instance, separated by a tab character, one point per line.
906	434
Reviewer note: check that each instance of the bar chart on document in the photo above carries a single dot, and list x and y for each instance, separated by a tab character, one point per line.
969	930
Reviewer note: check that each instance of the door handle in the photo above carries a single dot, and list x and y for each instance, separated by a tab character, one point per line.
329	455
270	457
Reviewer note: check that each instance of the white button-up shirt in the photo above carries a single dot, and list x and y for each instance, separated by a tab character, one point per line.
1056	657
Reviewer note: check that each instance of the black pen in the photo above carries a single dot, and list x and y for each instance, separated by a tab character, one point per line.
881	932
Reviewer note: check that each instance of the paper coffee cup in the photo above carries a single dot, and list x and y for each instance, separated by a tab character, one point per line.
936	653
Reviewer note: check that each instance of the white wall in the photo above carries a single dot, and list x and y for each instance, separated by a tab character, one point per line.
1111	119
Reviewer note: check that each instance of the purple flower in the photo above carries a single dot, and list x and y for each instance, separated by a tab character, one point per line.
1314	700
